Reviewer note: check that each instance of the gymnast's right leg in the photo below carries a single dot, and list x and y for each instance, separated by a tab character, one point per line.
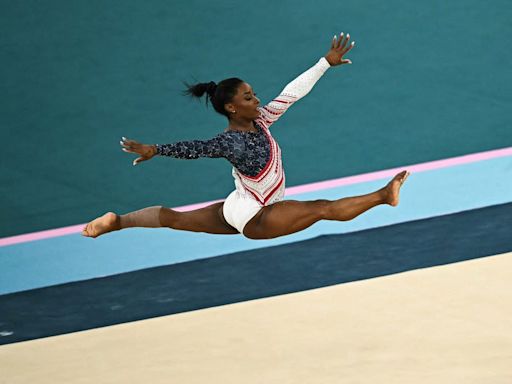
209	219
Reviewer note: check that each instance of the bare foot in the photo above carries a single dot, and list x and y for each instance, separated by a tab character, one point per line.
392	190
104	224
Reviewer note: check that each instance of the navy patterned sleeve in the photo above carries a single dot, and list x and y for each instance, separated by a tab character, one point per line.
219	146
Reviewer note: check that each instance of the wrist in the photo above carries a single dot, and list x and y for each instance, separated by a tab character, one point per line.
328	61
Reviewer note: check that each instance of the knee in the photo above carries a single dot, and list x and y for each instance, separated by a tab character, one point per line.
322	208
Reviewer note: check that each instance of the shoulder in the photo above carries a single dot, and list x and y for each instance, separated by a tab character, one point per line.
228	138
228	135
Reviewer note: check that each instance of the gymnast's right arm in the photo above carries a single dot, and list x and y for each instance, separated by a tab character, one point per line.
218	146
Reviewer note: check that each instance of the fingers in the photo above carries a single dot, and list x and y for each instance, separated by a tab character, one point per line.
344	42
343	47
337	46
336	42
350	46
138	160
127	142
129	145
132	146
341	42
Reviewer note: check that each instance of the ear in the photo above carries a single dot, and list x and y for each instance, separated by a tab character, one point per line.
230	108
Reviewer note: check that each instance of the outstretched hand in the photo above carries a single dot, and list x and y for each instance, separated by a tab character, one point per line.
339	47
145	151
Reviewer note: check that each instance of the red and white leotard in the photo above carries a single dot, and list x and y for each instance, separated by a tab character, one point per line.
256	157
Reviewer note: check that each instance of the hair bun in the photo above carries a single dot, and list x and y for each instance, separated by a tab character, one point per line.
211	87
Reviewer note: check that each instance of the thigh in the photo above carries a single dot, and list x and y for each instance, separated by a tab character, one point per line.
209	219
284	218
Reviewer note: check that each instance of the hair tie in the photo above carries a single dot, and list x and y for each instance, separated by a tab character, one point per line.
211	87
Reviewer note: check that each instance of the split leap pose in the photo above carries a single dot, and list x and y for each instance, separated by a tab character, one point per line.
256	207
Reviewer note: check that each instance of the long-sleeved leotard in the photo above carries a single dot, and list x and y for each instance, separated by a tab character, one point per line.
249	152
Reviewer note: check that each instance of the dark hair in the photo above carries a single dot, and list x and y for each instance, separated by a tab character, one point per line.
218	94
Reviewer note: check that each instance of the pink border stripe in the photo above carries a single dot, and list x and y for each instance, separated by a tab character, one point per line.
451	162
431	165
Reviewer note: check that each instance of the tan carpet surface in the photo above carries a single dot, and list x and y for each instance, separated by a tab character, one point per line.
448	324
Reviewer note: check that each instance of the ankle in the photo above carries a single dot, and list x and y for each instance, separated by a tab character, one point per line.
382	195
147	218
125	221
117	225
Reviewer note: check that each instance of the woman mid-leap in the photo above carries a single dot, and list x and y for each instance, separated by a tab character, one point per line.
256	207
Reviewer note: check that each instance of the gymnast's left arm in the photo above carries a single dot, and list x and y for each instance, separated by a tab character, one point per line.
302	85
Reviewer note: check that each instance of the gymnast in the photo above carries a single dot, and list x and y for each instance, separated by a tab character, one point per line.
255	208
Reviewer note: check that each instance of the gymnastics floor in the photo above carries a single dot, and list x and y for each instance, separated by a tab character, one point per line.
407	294
420	293
443	324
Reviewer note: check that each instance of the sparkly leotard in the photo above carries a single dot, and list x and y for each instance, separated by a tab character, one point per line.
251	153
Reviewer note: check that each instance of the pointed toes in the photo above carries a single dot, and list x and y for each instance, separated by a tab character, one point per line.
85	231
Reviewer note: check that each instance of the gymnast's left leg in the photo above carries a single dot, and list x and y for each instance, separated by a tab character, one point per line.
287	217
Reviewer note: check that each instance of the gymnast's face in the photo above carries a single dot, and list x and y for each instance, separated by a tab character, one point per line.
244	103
